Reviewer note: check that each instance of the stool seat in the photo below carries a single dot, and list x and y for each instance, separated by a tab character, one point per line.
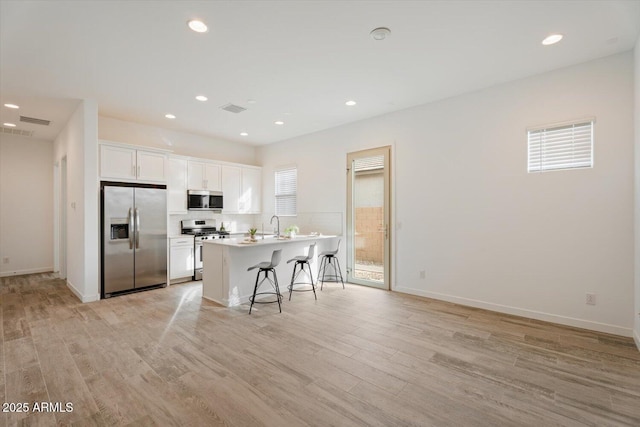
302	261
265	268
329	258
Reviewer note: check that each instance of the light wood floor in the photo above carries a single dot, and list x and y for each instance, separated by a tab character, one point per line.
355	357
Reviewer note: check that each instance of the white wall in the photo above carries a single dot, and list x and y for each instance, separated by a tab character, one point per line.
636	324
78	142
488	233
26	205
181	143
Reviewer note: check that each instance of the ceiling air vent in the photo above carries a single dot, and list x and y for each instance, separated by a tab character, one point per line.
35	121
14	131
233	108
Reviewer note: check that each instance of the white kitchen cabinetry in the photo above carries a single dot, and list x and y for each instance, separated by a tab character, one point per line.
181	255
231	176
177	186
241	188
203	176
131	164
251	190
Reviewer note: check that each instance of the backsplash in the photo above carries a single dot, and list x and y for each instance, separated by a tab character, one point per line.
330	223
232	223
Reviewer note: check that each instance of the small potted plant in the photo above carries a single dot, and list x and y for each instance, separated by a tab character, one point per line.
252	233
291	231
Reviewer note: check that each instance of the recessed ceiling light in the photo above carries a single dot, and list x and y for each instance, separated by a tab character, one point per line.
244	134
251	101
279	122
552	39
14	106
11	125
170	116
350	103
380	33
201	98
197	26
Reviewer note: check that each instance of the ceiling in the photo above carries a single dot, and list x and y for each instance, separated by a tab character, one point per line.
298	60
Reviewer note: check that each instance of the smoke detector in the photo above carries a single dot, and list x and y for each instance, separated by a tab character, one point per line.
380	33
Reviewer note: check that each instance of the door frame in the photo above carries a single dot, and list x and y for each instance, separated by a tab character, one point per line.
387	151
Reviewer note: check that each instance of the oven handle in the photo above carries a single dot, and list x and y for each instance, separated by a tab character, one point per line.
130	215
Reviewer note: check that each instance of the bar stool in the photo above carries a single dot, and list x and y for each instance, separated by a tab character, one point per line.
329	258
266	267
301	261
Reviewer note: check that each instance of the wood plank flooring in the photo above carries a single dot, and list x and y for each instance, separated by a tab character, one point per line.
354	357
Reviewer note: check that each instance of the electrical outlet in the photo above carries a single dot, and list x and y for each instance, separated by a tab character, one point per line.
423	274
591	299
5	260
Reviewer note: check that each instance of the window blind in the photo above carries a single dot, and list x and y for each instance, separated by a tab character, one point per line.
286	189
368	163
569	146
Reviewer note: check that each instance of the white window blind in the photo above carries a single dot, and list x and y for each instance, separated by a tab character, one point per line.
566	146
286	188
368	163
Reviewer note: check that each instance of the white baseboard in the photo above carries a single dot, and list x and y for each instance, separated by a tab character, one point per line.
636	338
532	314
27	271
78	294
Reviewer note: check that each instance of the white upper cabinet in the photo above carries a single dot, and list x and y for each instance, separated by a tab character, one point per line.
231	176
152	166
131	164
204	176
177	186
251	190
242	189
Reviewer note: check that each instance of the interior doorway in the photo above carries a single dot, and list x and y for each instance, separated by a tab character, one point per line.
62	221
368	217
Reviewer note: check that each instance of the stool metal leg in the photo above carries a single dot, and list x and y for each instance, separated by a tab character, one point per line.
255	288
340	272
293	278
278	294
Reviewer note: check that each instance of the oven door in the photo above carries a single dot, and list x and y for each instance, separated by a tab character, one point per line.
197	264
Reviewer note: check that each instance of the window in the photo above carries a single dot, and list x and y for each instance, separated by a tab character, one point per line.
564	146
286	187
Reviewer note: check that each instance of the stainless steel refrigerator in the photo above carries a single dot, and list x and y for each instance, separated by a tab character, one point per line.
134	237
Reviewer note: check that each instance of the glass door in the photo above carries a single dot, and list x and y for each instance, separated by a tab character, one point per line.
368	217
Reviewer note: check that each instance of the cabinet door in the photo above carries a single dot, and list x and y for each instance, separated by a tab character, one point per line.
212	177
231	188
195	176
177	186
181	262
250	196
152	166
117	162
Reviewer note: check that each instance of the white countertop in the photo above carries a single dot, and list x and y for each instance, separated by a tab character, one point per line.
242	243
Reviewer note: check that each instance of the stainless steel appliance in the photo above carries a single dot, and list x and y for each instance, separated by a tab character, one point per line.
134	237
202	229
203	200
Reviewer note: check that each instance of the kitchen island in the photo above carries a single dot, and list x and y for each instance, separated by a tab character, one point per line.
225	278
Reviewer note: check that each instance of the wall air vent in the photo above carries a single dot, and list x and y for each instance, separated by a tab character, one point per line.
14	131
233	108
35	121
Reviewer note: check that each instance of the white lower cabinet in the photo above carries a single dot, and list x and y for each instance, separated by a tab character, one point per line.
181	257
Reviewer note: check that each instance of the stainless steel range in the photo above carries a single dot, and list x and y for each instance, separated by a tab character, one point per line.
202	229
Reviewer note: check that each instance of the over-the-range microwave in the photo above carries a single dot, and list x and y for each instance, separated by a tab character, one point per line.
203	200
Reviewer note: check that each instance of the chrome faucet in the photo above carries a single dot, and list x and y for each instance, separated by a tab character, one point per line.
278	229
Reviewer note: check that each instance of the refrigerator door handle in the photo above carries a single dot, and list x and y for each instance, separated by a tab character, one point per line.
137	215
130	214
